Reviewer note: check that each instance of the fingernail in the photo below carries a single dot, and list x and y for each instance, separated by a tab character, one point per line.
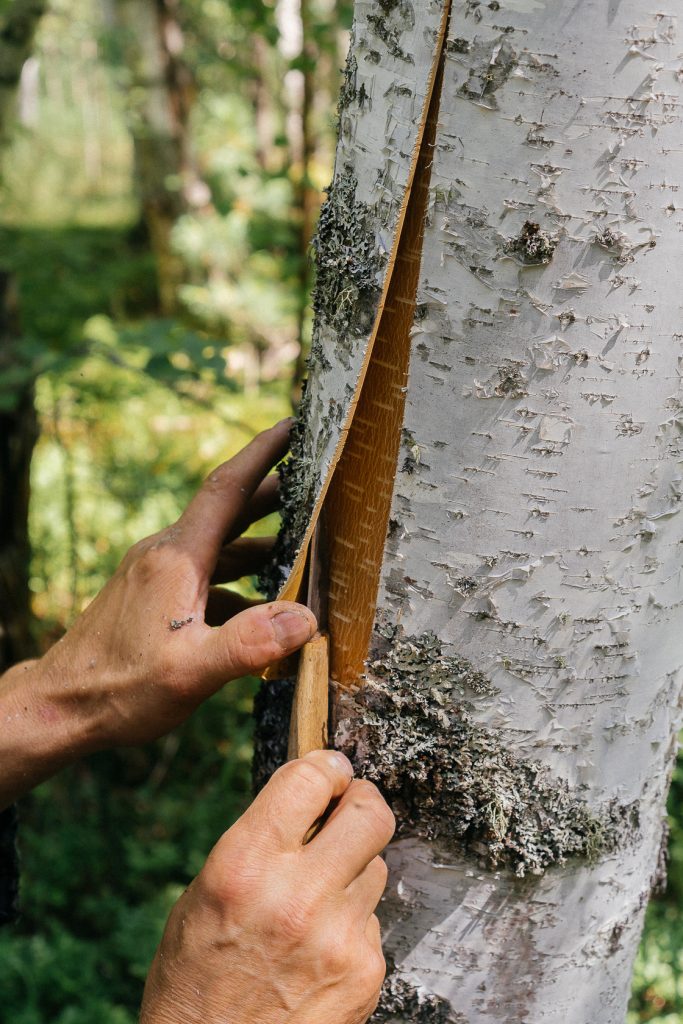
292	629
337	761
289	420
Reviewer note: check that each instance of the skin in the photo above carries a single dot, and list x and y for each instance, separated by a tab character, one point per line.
272	929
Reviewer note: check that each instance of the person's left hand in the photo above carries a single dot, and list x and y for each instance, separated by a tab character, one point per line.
144	654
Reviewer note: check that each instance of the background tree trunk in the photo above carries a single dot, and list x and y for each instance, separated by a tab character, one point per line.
18	23
522	689
18	422
18	435
160	96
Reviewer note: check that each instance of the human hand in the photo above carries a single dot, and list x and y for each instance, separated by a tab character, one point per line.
273	931
143	655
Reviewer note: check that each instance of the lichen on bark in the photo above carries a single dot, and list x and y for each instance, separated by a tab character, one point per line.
401	1002
347	263
396	16
410	729
533	245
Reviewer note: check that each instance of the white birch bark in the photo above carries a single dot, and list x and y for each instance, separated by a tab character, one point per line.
535	527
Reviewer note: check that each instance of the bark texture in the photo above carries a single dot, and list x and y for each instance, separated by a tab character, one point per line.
522	693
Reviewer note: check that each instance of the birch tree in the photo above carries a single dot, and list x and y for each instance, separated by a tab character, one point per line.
496	269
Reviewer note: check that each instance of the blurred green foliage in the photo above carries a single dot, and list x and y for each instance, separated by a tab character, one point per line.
134	409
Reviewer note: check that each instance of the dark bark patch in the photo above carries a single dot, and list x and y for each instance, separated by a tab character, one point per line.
492	64
410	730
272	711
349	89
396	16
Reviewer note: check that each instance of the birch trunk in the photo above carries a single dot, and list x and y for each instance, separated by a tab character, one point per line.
521	695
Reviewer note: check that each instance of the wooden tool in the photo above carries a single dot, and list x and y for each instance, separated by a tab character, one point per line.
310	708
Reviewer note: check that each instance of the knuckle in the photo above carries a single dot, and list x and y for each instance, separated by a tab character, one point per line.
228	877
304	774
336	954
145	563
292	919
372	972
374	808
223	479
380	871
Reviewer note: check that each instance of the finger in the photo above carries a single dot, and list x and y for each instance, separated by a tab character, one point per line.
226	493
358	830
244	557
366	891
265	501
297	795
254	639
222	605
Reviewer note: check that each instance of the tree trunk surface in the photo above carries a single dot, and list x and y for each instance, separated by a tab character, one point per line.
521	695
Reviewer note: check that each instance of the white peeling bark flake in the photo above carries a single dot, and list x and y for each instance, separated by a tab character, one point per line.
536	527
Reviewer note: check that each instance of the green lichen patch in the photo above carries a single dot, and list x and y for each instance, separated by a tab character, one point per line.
401	1002
491	65
410	731
348	262
533	245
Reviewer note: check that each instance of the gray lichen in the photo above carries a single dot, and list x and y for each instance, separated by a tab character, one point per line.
410	730
299	485
349	89
347	261
401	1002
511	383
533	245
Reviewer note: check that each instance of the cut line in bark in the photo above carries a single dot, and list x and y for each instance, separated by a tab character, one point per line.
357	493
291	590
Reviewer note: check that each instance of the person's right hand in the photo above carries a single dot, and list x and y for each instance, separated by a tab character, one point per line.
274	931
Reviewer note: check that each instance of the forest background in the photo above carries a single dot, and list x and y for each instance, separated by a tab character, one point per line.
162	164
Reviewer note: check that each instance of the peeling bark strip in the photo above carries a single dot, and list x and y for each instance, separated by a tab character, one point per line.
535	533
330	402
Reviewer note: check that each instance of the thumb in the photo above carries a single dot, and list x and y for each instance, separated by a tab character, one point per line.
256	638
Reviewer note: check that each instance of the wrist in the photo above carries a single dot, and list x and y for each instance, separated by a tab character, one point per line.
43	728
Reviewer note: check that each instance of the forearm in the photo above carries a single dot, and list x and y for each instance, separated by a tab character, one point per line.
40	733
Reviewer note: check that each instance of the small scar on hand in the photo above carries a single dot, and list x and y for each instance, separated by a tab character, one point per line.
176	624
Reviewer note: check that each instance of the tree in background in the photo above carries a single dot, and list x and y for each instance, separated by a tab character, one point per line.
503	523
161	92
18	425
